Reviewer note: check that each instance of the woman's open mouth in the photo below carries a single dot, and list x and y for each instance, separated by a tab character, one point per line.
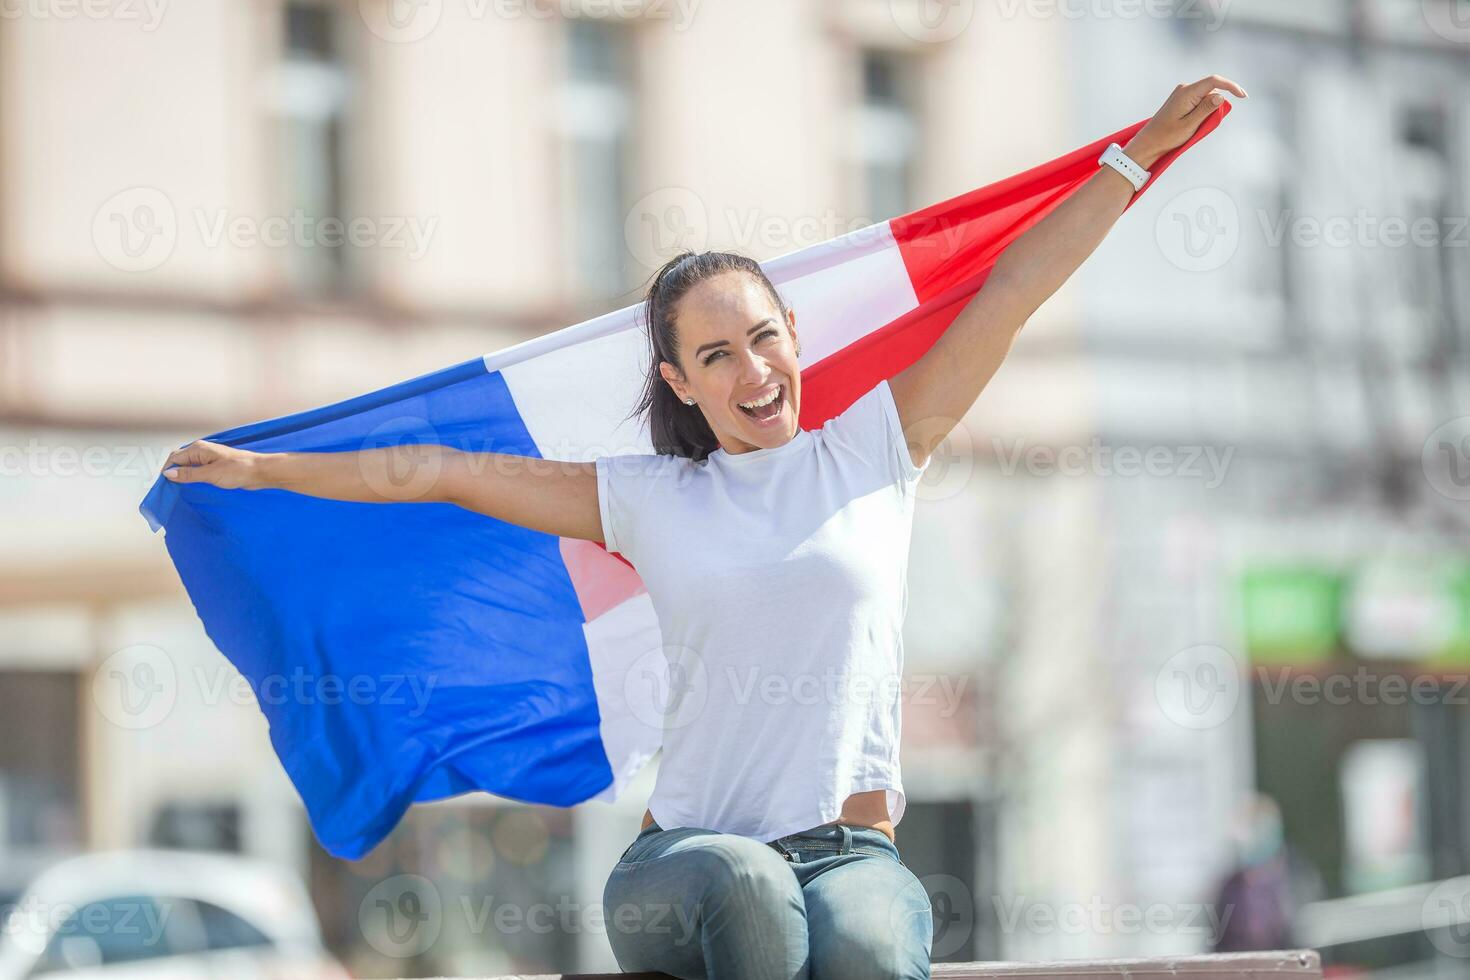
766	409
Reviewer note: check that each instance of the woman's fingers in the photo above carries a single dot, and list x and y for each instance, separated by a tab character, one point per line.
1209	83
190	455
1196	116
183	464
187	474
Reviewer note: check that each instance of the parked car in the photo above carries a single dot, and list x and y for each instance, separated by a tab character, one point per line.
162	914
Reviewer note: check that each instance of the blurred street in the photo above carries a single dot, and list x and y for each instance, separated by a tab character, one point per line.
1188	641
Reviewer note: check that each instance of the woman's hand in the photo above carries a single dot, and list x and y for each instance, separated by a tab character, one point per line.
1178	118
223	466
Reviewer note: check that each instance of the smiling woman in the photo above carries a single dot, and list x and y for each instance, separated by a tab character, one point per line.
738	387
775	558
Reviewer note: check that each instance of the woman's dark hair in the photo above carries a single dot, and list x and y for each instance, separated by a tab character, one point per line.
677	428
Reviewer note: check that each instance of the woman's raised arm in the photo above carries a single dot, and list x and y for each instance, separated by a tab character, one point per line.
554	496
936	391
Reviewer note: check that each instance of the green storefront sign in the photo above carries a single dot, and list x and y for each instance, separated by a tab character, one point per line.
1303	615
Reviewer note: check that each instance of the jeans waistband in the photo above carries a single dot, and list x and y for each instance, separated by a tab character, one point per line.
831	833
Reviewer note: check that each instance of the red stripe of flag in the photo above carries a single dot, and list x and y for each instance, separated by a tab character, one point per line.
949	249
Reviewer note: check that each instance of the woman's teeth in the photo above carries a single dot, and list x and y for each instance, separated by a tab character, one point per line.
764	409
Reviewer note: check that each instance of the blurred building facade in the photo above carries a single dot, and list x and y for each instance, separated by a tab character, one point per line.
168	267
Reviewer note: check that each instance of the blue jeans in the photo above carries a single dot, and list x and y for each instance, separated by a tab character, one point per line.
832	903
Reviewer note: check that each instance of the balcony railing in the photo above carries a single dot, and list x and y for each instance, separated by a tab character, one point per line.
1278	965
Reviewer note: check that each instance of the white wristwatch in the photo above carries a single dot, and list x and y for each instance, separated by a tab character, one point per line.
1114	157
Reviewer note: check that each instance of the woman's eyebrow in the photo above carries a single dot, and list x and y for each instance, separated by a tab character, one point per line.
721	343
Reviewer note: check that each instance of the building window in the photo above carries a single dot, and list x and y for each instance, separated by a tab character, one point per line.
887	134
312	96
40	761
597	119
1424	187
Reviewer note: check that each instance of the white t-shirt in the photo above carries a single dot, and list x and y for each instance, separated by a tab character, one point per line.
779	577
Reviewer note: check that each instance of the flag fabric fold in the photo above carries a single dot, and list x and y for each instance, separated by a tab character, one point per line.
410	652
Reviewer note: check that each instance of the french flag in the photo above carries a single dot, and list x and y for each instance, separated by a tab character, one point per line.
414	651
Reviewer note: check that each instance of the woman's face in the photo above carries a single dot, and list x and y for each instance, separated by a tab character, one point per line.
737	350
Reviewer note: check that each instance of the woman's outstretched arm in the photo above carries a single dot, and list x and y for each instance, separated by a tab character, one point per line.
554	496
936	391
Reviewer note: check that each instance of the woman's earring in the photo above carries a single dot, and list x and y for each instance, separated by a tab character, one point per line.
689	401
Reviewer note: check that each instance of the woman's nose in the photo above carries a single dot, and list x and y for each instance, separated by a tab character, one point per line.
753	369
